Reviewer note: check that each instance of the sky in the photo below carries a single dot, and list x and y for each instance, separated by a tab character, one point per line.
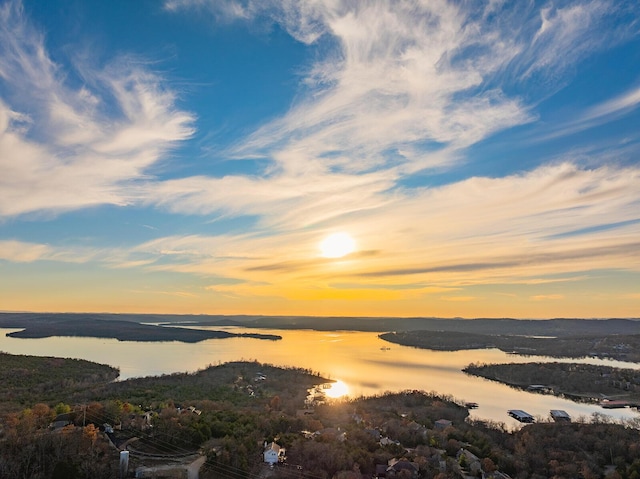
464	158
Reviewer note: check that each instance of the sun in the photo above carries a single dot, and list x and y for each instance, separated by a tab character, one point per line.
337	245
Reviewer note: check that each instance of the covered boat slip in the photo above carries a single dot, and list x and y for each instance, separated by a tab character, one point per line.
558	415
520	415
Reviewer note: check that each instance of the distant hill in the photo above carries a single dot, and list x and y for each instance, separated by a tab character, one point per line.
506	326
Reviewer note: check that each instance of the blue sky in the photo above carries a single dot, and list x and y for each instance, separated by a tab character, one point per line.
190	156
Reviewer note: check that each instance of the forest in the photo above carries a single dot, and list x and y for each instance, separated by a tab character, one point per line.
27	380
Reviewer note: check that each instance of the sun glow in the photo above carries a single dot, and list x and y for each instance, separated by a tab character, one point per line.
337	245
338	389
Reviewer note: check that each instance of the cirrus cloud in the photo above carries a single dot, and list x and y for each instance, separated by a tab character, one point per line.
64	147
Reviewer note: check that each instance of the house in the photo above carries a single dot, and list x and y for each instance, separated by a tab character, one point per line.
414	426
469	461
385	441
397	468
442	424
58	425
61	420
418	429
381	471
274	454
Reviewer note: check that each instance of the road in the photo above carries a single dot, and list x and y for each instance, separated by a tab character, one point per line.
193	470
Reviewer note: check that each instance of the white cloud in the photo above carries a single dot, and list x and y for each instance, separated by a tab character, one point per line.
225	11
63	147
23	252
395	81
599	114
283	201
616	106
568	32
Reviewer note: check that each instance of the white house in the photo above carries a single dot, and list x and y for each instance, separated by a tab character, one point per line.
274	453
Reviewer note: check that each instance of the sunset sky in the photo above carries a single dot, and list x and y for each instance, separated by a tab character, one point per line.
321	157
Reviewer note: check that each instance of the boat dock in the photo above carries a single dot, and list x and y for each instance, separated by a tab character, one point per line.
521	416
558	415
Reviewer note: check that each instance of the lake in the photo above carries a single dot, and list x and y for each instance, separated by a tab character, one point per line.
362	363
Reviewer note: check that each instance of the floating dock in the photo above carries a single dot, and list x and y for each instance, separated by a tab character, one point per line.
520	415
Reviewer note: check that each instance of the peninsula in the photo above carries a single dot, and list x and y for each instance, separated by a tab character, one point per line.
44	327
579	382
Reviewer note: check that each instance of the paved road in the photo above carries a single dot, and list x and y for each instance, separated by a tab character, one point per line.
193	470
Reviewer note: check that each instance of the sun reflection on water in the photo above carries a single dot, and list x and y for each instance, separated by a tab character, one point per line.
337	389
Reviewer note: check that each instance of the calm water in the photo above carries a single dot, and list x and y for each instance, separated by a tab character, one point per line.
359	360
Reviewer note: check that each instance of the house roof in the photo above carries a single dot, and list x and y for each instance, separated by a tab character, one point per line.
272	447
402	464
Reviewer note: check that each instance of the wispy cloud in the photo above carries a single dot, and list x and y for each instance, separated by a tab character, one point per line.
289	201
22	252
398	82
594	116
179	294
64	147
459	299
567	28
616	106
547	297
513	230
